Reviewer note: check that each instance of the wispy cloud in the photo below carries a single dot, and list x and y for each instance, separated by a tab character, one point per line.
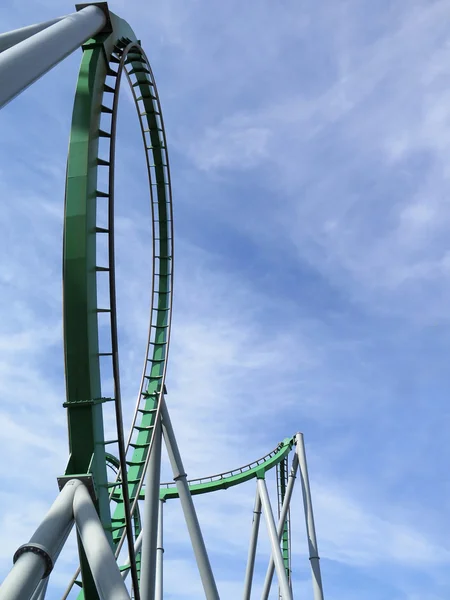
309	152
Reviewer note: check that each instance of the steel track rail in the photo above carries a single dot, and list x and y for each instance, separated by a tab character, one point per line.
155	366
232	478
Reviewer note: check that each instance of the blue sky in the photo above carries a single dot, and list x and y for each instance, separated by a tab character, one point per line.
309	145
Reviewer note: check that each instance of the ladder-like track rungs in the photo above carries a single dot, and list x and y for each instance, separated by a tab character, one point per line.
135	463
143	427
136	70
147	411
139	447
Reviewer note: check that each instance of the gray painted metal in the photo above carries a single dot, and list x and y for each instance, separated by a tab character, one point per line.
22	64
252	548
151	509
23	578
41	590
11	38
198	544
106	574
309	518
27	572
283	513
159	555
274	542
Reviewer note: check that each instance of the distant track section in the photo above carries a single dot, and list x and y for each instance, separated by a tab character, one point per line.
223	481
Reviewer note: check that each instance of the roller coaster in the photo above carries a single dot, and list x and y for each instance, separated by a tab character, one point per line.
124	513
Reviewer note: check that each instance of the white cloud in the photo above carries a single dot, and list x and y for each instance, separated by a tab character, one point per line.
333	132
232	147
353	534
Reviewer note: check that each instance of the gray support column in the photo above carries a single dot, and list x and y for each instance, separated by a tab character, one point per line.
22	64
284	511
179	476
41	590
159	555
274	541
252	548
30	567
106	574
309	518
151	509
23	578
11	38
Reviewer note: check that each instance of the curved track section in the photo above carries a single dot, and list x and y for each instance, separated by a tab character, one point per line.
90	321
90	315
223	481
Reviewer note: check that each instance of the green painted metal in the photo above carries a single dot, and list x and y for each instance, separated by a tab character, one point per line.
156	151
85	420
84	396
80	310
224	481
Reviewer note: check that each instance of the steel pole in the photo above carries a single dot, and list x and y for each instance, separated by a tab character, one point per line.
274	541
283	514
41	590
252	548
151	508
11	38
24	63
23	578
179	476
159	555
35	559
100	557
309	518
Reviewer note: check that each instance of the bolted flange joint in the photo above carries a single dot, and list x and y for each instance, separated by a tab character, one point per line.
40	551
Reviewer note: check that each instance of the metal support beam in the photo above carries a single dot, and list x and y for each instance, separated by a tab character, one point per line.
105	572
179	476
34	561
309	518
284	511
274	541
252	548
151	509
11	38
159	555
24	63
41	590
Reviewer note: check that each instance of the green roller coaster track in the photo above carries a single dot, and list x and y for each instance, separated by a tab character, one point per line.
95	103
105	58
90	355
223	481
